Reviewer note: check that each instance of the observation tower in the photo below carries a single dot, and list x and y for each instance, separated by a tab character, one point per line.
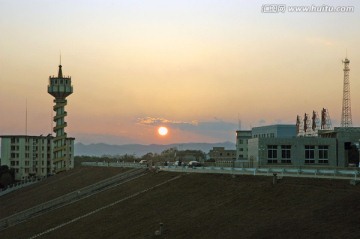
60	87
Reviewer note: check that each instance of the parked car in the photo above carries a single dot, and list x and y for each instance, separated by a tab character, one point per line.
194	164
143	162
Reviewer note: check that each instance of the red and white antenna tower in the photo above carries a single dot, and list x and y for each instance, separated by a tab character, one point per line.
346	119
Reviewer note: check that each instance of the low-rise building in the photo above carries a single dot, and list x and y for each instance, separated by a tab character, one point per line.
32	155
331	148
297	152
220	154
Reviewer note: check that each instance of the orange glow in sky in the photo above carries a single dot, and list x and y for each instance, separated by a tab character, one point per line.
197	67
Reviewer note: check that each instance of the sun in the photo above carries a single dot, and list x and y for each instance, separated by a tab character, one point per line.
163	131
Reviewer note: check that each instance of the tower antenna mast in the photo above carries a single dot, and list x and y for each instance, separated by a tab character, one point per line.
26	117
346	119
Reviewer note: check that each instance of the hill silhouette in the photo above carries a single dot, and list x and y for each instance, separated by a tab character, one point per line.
101	149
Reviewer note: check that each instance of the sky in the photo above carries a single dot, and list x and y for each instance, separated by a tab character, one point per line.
197	67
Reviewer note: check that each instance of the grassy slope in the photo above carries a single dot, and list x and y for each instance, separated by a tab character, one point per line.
53	187
210	206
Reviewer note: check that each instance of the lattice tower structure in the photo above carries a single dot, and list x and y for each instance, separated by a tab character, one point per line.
346	119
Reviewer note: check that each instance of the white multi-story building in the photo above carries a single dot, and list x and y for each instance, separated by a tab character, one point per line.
32	155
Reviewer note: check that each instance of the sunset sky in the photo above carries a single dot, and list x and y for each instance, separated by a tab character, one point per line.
194	66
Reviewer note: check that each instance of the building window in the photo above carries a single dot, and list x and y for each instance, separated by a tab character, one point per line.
309	151
323	152
272	161
241	149
272	151
286	161
285	151
14	155
241	141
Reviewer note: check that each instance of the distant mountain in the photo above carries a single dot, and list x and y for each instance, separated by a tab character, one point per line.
140	149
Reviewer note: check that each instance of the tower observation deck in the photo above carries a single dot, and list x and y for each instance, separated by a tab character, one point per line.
60	87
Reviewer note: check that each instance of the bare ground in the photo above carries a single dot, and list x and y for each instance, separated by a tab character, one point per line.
53	187
205	206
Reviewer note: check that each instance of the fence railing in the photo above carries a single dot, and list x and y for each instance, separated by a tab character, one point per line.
290	172
114	164
239	168
18	185
67	198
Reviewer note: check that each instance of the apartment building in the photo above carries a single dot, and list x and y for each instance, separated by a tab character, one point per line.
32	156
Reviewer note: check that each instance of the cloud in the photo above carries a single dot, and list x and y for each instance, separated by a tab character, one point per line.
215	128
160	121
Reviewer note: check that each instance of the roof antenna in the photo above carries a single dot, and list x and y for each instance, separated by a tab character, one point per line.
26	120
60	75
239	121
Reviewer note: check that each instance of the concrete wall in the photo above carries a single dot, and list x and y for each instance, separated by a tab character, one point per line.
242	137
5	152
274	131
258	149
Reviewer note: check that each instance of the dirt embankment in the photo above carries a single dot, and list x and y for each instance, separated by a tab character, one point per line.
208	206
